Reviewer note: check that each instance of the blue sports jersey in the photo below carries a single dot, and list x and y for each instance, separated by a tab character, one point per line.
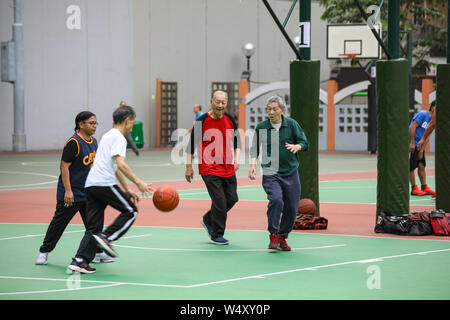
423	119
79	169
198	115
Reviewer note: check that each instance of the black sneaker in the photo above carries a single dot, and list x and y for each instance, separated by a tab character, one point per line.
80	267
105	244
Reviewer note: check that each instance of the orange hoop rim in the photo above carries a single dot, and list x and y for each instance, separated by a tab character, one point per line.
348	55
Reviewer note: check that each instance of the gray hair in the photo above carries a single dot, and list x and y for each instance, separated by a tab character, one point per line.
213	95
278	100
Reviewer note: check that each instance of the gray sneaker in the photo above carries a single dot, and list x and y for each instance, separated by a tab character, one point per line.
102	257
105	244
41	258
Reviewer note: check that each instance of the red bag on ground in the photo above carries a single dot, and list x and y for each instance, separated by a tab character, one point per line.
440	222
309	222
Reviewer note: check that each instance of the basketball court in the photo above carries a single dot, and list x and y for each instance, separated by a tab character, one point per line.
168	256
356	159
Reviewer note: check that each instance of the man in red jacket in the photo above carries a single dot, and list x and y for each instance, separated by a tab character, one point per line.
216	135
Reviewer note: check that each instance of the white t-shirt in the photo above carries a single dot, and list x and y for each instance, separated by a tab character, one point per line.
103	172
277	126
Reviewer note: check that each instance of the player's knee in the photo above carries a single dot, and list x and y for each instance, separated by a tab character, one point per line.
277	202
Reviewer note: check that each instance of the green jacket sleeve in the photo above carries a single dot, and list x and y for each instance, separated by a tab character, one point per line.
300	137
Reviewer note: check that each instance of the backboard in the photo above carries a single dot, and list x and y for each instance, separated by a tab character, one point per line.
355	39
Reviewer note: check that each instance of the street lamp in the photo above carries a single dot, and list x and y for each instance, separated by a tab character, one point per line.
248	50
297	41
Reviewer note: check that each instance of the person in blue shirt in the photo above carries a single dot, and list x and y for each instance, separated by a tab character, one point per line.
198	111
417	156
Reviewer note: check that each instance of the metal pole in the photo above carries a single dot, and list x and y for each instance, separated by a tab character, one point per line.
394	28
377	36
448	31
409	49
280	26
372	115
19	137
305	18
289	13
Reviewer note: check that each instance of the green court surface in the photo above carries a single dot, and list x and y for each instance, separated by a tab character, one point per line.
168	263
346	191
180	263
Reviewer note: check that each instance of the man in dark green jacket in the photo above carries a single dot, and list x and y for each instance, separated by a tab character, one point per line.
281	138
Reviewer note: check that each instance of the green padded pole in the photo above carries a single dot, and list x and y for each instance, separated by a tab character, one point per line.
393	136
442	138
304	92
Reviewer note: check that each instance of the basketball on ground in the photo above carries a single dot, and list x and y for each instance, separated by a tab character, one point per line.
166	198
306	206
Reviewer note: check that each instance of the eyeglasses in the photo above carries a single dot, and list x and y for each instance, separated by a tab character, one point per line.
92	123
220	101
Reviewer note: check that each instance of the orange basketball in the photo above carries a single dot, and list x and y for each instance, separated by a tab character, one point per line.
166	198
306	206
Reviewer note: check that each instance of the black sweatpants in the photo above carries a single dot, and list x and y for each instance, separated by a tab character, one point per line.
223	193
60	220
97	200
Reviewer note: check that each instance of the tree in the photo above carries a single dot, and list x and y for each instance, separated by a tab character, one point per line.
426	19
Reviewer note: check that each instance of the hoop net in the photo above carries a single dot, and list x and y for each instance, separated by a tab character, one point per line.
348	55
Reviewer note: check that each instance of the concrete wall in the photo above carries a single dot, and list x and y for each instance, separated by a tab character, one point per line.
123	46
67	71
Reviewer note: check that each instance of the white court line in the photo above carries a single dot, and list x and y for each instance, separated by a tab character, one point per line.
30	174
143	165
138	236
204	191
349	187
95	281
58	290
303	232
36	235
257	276
75	231
224	250
40	163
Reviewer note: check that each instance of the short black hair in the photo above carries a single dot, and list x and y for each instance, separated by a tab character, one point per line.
122	113
433	104
82	116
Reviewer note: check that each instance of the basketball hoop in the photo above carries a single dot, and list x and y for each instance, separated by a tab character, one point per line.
348	55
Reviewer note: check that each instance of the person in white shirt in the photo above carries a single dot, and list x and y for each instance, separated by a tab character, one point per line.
102	190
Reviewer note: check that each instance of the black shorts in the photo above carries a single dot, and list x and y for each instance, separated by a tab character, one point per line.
414	160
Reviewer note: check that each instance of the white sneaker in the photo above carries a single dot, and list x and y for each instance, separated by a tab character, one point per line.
102	258
41	258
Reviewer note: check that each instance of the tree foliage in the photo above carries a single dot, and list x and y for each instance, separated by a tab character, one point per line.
426	19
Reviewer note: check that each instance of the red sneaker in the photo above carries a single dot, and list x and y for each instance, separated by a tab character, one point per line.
416	192
273	241
283	246
425	188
